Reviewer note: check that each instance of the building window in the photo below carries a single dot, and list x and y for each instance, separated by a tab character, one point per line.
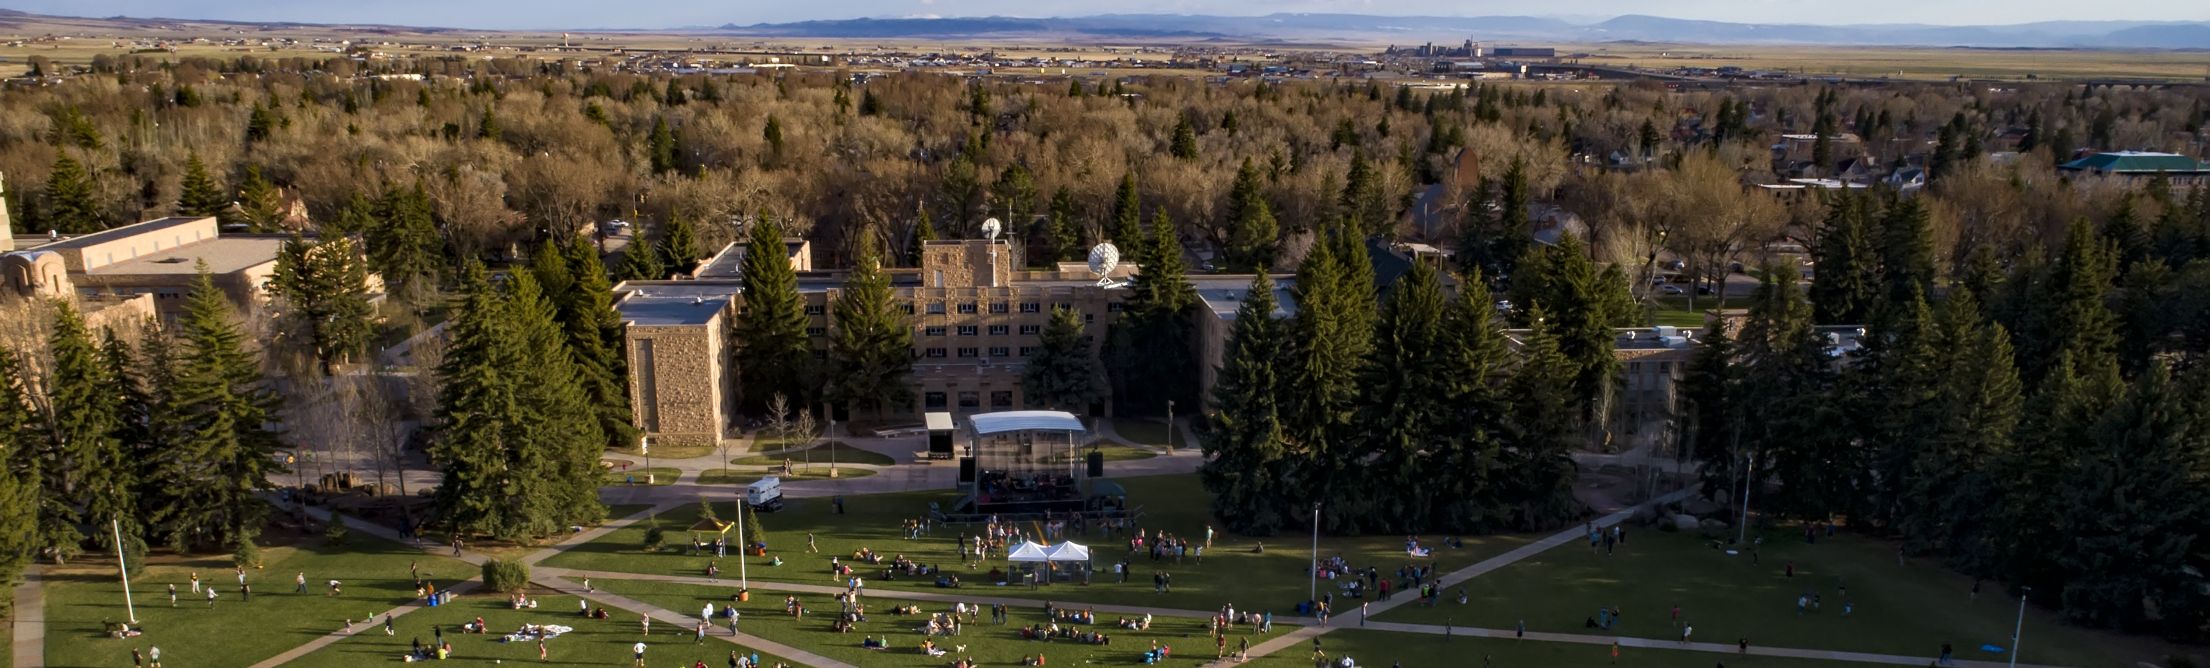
1634	367
1089	318
932	400
936	353
970	400
936	308
969	353
999	330
1028	350
1067	305
1032	307
816	309
933	330
821	356
1001	399
1031	330
1665	367
998	307
967	330
817	331
907	307
967	308
1000	351
939	278
1112	307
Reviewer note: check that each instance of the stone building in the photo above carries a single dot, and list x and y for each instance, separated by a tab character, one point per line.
159	258
975	318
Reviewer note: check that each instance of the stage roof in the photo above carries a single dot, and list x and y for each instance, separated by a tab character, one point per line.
1005	421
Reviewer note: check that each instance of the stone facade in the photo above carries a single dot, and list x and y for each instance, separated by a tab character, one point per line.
157	258
672	372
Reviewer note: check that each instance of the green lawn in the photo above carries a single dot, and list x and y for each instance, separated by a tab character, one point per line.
986	643
820	456
1146	431
636	475
737	477
1673	310
1230	573
1908	610
592	642
667	451
1418	650
234	632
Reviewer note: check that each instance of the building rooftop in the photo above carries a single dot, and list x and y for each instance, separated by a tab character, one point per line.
223	255
642	310
124	232
1225	295
2136	162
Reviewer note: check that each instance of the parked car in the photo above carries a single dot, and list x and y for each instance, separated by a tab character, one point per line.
1671	289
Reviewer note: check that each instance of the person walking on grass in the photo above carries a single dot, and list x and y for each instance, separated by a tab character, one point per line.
387	625
542	655
299	583
637	651
1687	631
153	656
210	598
172	594
137	660
195	582
645	622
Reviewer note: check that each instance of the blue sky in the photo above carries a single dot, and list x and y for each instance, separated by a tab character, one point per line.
665	14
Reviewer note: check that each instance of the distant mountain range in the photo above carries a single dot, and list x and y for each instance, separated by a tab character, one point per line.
1453	29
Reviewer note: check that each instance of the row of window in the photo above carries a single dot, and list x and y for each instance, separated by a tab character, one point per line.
967	399
971	353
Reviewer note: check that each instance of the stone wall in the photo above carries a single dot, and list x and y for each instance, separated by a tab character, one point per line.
675	381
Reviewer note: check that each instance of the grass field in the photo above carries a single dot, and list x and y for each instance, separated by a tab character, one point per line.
1417	650
1231	573
820	455
592	642
636	475
986	643
1908	610
1674	311
1146	431
234	632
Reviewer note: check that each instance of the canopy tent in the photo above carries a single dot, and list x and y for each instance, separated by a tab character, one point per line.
1009	421
1028	551
716	526
1068	551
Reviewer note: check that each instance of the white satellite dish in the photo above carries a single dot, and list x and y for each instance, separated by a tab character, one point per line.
1103	258
991	227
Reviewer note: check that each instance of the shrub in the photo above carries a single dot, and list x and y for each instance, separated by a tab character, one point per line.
506	575
335	531
655	537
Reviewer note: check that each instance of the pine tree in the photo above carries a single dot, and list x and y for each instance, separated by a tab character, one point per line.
1844	291
1062	237
1148	353
1362	202
259	124
660	146
557	441
1977	407
1184	144
487	126
356	217
1585	305
1709	412
1245	466
201	195
1253	236
775	355
1063	375
640	262
1538	492
1127	231
226	409
87	479
1470	371
478	399
871	349
1906	250
324	287
19	483
1497	231
595	337
404	247
1015	194
924	231
1322	365
679	247
2132	491
70	205
2066	313
1787	382
1405	403
260	204
772	133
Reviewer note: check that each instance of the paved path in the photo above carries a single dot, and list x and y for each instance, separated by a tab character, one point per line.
1304	636
1652	643
945	597
372	625
745	640
30	619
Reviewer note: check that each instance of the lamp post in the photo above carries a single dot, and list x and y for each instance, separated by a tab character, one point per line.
1170	426
1312	591
123	561
2021	628
1742	533
744	584
644	444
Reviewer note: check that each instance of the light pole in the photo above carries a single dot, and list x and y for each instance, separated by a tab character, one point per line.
123	561
1742	532
744	584
2021	628
1170	426
1312	592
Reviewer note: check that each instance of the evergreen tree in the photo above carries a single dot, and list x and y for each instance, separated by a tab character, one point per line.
1565	284
487	126
478	400
1845	289
260	205
1127	231
259	124
1406	404
1538	490
1709	415
225	408
871	349
404	247
1363	203
1497	231
2066	313
1253	236
679	247
324	288
1321	367
1015	194
1149	356
1062	238
1245	465
2127	505
1470	372
88	481
356	217
595	338
1790	420
1063	375
772	133
70	205
201	195
557	441
1184	145
1952	480
19	476
660	146
1906	250
775	355
641	262
923	232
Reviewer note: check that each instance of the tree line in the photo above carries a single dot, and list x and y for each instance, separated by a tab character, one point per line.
2039	422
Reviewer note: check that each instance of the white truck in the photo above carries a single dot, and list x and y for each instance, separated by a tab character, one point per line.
765	494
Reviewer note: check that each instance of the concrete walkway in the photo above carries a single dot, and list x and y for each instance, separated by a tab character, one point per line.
372	625
1652	643
1304	636
944	597
30	619
744	640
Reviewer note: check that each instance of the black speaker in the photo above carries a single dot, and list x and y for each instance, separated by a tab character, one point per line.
966	469
1097	465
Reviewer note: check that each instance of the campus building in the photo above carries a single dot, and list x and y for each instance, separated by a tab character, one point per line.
157	259
2141	166
975	317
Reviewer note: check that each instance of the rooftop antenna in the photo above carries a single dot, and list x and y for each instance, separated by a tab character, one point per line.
991	227
1103	258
